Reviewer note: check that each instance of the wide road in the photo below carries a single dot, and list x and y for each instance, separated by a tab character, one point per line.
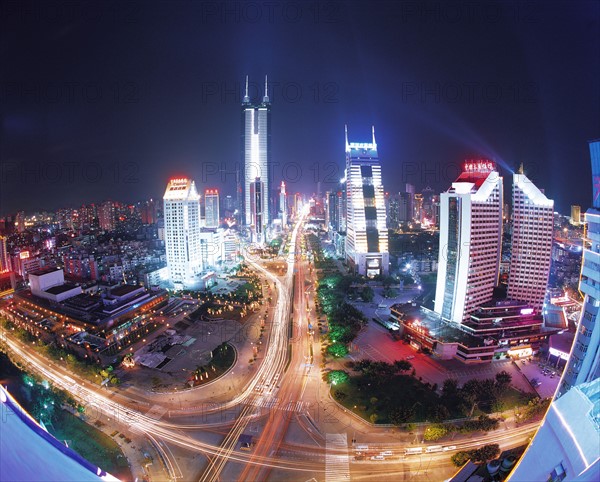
271	369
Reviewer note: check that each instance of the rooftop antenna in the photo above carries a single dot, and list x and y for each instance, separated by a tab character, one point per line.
521	171
373	131
346	131
266	97
246	96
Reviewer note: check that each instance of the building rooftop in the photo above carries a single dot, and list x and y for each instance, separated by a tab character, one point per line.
57	290
42	271
124	290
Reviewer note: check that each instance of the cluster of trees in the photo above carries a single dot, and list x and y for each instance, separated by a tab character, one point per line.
534	408
485	394
380	372
478	456
481	424
345	322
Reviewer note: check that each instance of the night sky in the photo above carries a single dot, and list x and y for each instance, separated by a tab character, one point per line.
108	100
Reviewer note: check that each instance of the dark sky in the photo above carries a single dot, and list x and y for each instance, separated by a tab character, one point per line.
107	100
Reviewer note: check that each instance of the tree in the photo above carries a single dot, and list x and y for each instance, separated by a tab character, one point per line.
439	413
337	377
400	415
485	453
435	432
503	379
402	365
374	417
460	458
390	293
367	294
337	350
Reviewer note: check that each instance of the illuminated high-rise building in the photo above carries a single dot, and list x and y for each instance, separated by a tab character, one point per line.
107	215
366	244
566	447
4	257
211	208
256	152
257	210
182	230
283	204
470	241
533	218
575	215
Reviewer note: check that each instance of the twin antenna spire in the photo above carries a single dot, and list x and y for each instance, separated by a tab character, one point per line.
348	144
247	95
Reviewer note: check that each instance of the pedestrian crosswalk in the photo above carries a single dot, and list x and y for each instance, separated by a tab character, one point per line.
337	462
274	403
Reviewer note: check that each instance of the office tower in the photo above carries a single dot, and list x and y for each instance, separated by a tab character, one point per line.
470	241
211	208
575	215
283	204
367	237
342	205
256	152
418	207
182	230
393	210
566	447
4	258
533	217
106	216
20	222
405	207
332	210
229	205
148	212
257	210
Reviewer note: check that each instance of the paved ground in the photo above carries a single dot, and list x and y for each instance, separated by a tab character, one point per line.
376	343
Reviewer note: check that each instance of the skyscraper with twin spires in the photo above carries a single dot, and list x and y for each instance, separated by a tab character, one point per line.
256	160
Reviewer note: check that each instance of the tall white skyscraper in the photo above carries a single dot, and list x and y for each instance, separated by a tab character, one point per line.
211	208
533	219
257	210
367	236
256	148
283	204
470	241
182	230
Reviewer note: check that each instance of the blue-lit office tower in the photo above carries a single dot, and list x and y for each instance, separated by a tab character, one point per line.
256	153
366	231
566	447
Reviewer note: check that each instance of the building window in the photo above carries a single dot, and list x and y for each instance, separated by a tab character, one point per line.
558	473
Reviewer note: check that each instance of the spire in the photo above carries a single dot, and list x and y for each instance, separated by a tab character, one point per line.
246	96
266	97
373	131
346	131
521	171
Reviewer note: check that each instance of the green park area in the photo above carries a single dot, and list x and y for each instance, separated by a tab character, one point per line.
92	444
390	393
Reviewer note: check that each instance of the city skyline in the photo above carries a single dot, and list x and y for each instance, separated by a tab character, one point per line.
470	110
